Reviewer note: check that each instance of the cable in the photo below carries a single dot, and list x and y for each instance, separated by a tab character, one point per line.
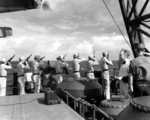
116	23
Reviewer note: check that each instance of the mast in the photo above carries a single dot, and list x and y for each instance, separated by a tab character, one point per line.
134	19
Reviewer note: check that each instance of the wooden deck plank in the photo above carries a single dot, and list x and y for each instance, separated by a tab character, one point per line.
33	107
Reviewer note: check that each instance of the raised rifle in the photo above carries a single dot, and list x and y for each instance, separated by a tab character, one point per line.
27	59
65	69
94	54
64	56
42	58
10	59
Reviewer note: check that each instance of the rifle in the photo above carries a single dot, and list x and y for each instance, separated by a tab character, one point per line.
65	69
10	59
27	59
42	58
64	57
94	54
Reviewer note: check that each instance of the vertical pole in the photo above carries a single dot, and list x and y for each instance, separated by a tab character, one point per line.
126	21
94	113
74	105
67	98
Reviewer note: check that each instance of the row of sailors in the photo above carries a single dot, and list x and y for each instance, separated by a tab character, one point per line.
135	71
23	65
104	63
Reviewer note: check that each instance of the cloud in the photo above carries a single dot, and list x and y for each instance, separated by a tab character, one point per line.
71	26
109	43
83	47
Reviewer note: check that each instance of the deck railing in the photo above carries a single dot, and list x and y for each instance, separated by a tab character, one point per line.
82	107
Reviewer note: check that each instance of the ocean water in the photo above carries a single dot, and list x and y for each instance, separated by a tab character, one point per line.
12	74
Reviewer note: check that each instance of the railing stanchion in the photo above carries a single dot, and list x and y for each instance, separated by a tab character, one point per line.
82	106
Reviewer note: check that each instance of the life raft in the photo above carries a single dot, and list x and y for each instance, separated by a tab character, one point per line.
80	88
113	107
138	109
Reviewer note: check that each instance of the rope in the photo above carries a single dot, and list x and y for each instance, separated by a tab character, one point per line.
116	23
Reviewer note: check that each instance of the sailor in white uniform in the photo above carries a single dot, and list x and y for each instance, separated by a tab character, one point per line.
3	75
36	65
104	64
60	63
90	67
76	65
21	66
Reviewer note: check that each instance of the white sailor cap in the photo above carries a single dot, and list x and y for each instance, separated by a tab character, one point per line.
22	58
3	60
37	57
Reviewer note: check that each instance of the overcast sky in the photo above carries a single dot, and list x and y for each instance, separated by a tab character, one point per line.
69	26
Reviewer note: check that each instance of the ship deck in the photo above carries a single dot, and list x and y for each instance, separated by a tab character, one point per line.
33	107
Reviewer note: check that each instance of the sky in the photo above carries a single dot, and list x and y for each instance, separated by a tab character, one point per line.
66	27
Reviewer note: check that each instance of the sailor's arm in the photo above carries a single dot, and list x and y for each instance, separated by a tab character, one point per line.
108	61
95	62
8	66
63	64
26	65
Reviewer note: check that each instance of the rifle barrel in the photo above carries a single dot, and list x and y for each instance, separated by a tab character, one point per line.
42	58
11	58
64	57
28	57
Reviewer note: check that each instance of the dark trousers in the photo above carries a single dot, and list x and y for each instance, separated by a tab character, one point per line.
141	88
